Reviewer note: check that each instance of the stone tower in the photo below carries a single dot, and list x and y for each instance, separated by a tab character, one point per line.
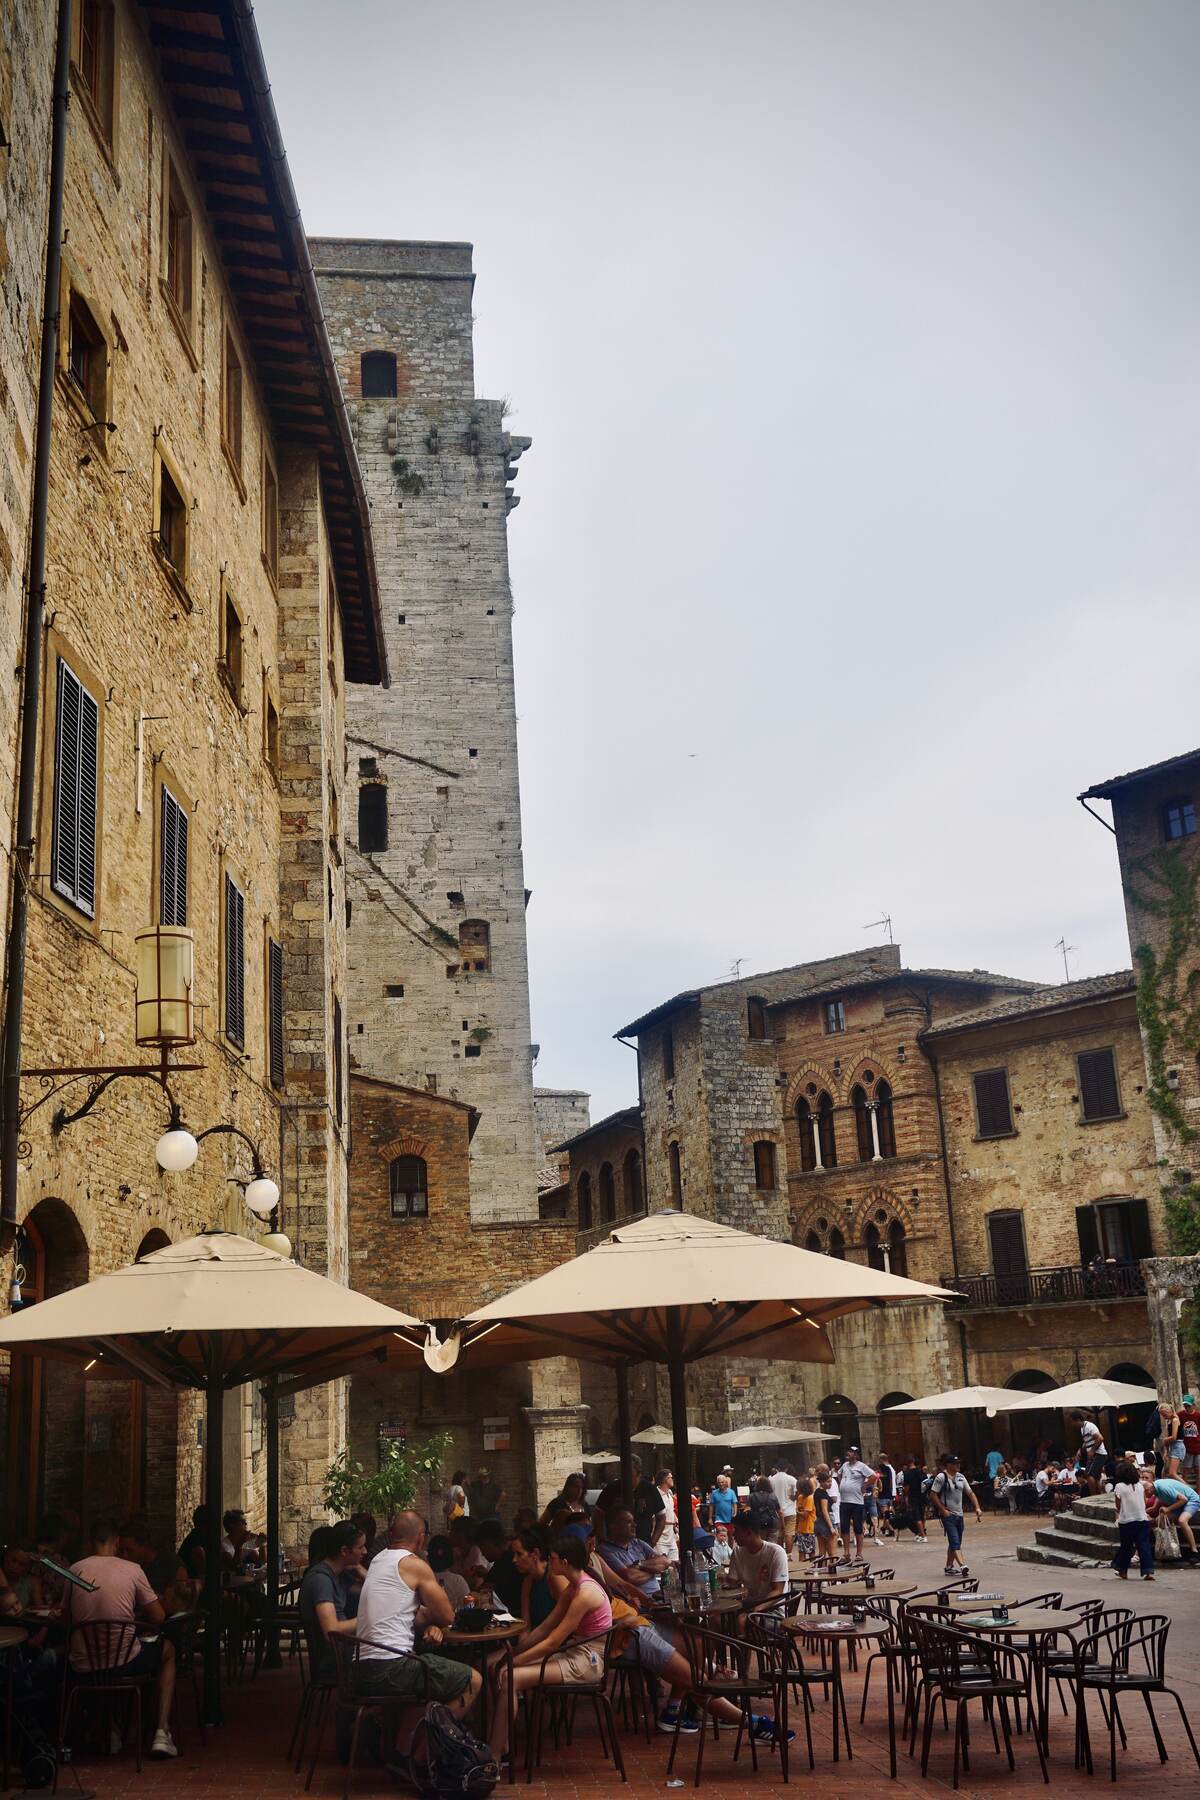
439	984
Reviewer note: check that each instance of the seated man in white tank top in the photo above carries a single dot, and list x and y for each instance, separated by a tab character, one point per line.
399	1584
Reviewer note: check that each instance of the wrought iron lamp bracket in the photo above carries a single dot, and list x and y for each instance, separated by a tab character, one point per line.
55	1081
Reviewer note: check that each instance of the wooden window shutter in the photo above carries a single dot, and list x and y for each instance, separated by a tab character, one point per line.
173	862
993	1111
1098	1094
275	1012
1087	1227
235	964
1138	1220
76	759
1007	1241
338	1054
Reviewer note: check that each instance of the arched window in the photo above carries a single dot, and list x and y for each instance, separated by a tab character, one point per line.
825	1131
475	942
837	1245
862	1124
812	1242
764	1164
585	1202
840	1415
372	817
897	1248
885	1124
676	1168
409	1180
631	1180
804	1122
608	1195
378	370
876	1253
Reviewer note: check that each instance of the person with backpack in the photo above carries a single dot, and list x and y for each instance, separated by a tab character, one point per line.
948	1490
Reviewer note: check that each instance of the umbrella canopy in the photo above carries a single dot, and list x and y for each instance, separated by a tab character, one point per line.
966	1399
213	1312
673	1288
213	1308
753	1437
600	1457
723	1291
661	1434
1089	1396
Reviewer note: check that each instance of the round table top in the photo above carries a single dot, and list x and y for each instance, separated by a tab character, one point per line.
883	1590
721	1602
970	1603
830	1575
11	1636
1029	1621
816	1625
491	1634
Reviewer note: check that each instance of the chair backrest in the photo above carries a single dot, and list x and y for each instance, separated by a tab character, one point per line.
704	1647
107	1644
346	1653
1049	1602
1131	1644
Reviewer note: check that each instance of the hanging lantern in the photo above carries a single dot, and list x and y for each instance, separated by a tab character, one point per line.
176	1150
165	957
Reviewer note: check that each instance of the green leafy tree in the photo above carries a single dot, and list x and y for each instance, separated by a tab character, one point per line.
406	1472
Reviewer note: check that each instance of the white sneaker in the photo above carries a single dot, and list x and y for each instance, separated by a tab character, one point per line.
164	1744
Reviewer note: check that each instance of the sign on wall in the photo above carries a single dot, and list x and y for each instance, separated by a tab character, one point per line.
496	1434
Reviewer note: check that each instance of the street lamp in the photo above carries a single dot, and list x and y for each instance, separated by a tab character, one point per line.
177	1149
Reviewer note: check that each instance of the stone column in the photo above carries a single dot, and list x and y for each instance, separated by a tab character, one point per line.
556	1419
878	1156
1170	1280
816	1131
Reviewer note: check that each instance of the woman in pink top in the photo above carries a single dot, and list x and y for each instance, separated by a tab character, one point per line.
580	1612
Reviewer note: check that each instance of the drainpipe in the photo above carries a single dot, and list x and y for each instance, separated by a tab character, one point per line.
35	612
949	1190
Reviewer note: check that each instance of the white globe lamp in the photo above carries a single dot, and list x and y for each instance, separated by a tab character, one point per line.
262	1196
279	1242
176	1150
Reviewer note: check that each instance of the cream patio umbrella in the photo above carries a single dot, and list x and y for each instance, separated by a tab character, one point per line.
1090	1395
967	1399
673	1288
757	1437
659	1434
212	1313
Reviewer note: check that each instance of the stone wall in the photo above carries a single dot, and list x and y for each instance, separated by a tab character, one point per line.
439	991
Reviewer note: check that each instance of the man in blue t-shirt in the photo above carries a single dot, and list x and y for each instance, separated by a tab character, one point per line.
1181	1504
722	1501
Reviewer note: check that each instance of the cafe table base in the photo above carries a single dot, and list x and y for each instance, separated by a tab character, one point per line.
836	1632
476	1647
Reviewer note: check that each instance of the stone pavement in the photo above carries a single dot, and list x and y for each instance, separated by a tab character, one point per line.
245	1760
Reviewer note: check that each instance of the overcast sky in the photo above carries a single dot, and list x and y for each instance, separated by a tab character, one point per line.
860	349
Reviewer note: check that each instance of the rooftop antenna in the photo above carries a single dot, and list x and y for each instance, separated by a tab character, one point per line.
735	968
1066	949
886	922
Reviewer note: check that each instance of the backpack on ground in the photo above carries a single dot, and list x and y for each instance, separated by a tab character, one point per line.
447	1761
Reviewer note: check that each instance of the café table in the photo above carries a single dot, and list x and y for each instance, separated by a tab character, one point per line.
11	1637
502	1637
1039	1626
882	1590
835	1631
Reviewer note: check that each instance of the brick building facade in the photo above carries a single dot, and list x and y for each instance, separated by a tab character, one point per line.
210	594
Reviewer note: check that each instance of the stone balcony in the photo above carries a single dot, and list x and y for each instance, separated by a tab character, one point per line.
1048	1287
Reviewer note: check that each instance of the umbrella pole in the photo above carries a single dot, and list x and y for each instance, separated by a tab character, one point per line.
624	1447
679	1425
272	1658
214	1482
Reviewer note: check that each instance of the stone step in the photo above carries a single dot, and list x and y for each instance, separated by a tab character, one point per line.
1095	1549
1088	1505
1052	1558
1088	1525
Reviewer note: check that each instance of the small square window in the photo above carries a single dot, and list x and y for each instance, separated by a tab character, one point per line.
172	522
835	1016
87	357
231	403
1179	817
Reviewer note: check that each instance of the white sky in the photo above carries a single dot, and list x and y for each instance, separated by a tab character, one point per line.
859	348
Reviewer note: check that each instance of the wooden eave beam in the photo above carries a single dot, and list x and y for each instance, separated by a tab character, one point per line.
171	37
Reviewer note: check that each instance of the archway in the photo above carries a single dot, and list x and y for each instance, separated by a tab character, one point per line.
840	1415
147	1482
1132	1420
900	1434
46	1408
1029	1429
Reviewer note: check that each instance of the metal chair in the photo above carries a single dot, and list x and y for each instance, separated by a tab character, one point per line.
346	1651
574	1691
735	1683
107	1645
959	1667
1128	1656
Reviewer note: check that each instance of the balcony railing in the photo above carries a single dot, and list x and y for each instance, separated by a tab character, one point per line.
1042	1287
